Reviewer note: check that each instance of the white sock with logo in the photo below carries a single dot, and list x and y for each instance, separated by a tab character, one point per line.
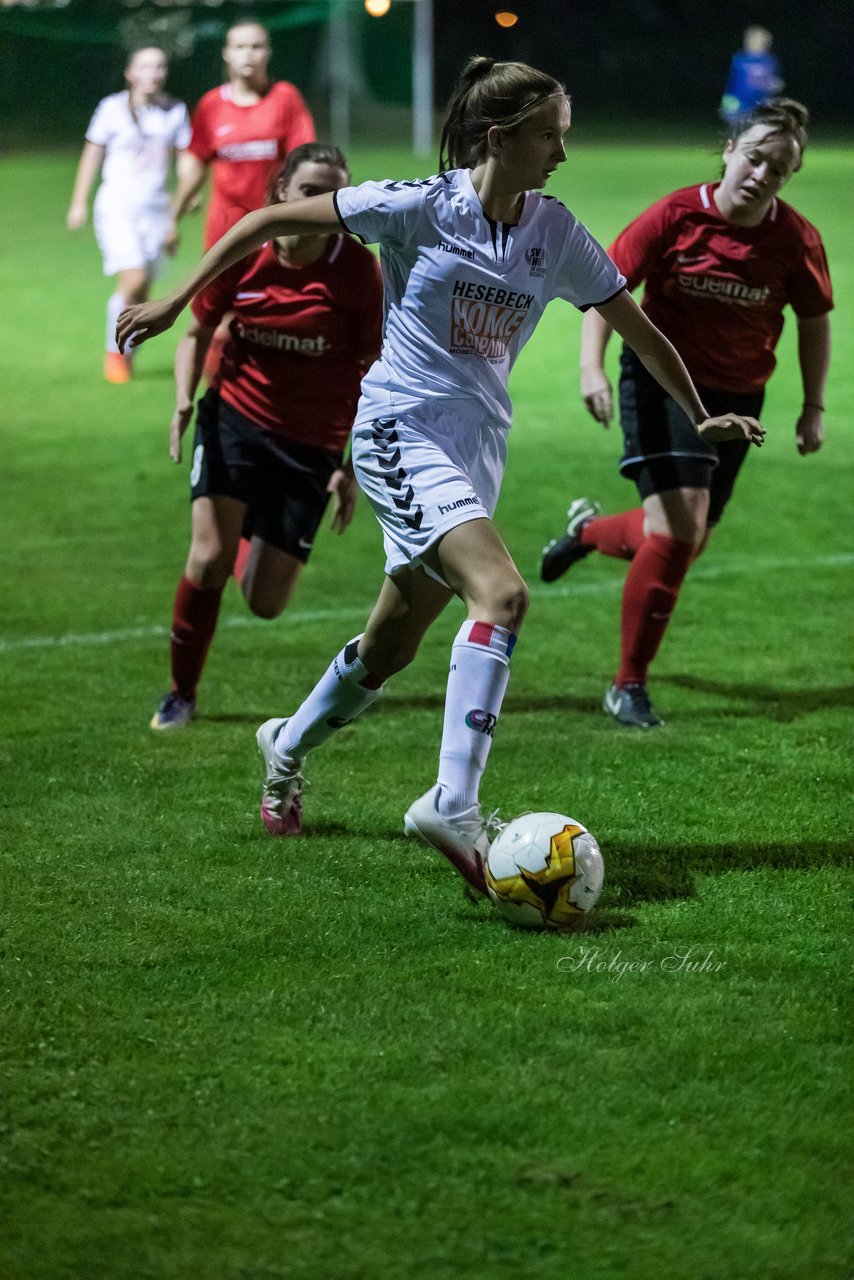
116	304
336	699
480	669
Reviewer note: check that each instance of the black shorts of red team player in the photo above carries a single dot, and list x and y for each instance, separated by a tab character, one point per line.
662	450
282	483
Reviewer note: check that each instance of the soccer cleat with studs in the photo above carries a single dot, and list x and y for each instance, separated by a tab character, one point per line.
174	712
629	704
463	838
281	799
562	553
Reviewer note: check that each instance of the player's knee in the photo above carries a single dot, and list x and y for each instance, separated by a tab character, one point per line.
265	607
507	603
208	566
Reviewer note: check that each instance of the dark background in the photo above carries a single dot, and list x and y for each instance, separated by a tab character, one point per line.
633	63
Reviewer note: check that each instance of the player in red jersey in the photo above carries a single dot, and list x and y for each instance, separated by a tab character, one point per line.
242	130
271	430
721	262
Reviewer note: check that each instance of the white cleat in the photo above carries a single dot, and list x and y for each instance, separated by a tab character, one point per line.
281	799
461	837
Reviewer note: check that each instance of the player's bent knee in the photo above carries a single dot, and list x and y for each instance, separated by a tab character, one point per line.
209	571
266	609
508	606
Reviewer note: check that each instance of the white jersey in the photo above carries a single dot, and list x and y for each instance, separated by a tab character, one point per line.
139	147
463	294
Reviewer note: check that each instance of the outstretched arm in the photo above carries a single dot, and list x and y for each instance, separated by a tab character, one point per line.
665	364
814	358
189	364
315	216
91	159
191	174
595	387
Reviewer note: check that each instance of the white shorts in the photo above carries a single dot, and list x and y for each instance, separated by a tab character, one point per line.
130	238
426	471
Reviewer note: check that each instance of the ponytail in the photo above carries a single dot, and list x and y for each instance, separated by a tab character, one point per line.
489	93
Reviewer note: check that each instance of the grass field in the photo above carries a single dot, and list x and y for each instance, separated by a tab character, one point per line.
227	1058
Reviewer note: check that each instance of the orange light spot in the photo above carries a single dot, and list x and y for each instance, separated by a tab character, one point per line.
506	19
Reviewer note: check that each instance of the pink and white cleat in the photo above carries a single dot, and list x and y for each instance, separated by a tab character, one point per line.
461	837
281	799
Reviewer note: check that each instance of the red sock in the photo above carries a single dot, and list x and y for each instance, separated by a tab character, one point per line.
244	550
649	597
194	618
618	536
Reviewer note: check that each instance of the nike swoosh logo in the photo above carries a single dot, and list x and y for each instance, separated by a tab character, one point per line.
223	128
692	259
306	545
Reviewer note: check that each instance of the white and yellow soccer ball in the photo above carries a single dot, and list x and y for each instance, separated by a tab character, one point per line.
544	871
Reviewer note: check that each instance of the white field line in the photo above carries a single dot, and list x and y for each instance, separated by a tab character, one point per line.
296	617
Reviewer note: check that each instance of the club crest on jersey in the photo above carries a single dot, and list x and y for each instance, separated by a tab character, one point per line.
536	260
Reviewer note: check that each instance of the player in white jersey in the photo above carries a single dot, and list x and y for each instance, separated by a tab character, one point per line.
470	259
131	138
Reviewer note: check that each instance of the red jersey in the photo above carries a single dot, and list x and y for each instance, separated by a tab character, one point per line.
292	364
246	146
718	290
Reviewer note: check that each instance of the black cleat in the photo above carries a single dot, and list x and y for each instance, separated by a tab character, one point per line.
630	704
562	553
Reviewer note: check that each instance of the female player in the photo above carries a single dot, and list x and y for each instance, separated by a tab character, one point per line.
131	138
243	130
271	430
470	259
721	262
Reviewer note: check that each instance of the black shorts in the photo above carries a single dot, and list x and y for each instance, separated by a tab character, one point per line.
283	484
661	449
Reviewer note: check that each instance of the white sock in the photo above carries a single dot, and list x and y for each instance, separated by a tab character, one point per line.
336	699
480	669
116	304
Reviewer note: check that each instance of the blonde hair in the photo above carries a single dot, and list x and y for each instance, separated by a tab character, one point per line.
490	93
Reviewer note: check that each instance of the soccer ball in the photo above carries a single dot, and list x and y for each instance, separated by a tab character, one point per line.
544	871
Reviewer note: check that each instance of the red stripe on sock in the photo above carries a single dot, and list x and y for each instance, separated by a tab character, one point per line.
649	598
481	633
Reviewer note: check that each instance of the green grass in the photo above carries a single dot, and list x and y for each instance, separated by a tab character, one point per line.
225	1058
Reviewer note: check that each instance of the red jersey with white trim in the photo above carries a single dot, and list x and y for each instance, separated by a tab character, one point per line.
293	362
246	146
718	290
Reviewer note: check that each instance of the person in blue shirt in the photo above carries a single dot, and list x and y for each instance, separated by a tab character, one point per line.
754	76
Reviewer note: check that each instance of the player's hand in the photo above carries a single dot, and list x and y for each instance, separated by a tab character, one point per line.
732	426
809	432
137	324
76	217
598	395
343	487
180	421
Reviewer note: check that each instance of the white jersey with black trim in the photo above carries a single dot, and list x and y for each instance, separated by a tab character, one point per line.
138	147
462	293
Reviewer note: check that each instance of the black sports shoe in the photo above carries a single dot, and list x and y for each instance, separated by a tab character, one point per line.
563	552
630	704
